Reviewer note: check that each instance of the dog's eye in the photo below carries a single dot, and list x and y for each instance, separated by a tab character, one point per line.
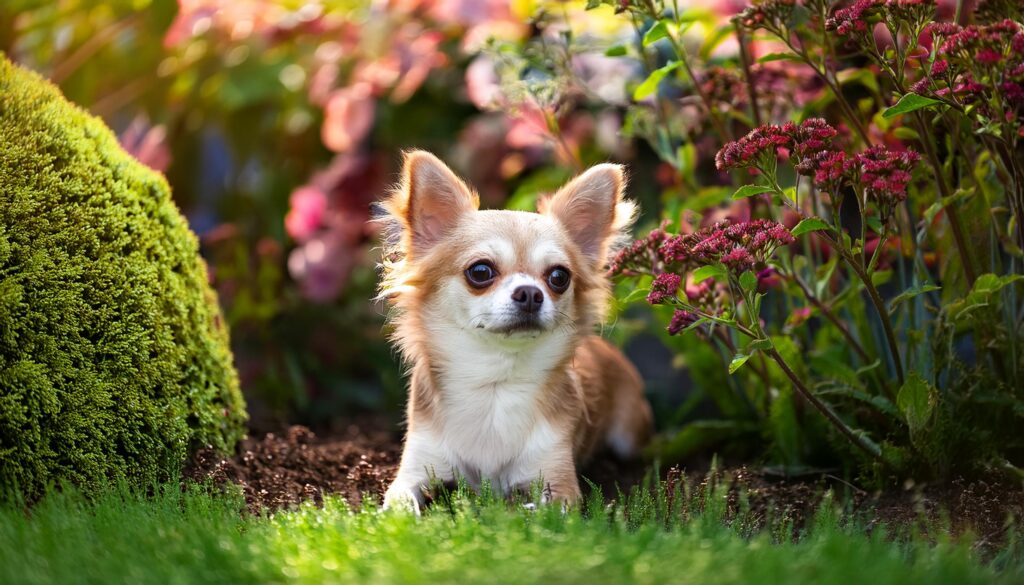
481	274
558	279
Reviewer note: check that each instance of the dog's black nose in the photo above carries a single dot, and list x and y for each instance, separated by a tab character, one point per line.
528	298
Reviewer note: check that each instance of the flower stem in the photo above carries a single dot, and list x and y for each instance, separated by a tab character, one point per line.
745	61
720	127
824	409
883	313
827	312
966	258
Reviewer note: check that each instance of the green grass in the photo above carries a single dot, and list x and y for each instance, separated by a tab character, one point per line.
199	538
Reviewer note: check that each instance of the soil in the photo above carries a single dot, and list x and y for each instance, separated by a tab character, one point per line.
281	470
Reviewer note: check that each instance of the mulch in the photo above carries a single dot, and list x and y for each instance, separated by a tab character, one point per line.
283	469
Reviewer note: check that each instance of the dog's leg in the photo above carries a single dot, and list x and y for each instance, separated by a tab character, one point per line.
631	423
422	463
556	470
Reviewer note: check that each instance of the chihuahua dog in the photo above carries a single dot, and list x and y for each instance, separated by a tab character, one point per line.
494	312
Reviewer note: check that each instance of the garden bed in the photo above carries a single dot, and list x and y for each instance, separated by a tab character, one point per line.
283	469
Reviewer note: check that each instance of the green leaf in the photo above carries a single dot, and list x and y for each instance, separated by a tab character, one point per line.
637	293
706	272
905	133
909	103
737	362
880	277
916	401
748	280
592	4
615	51
780	57
749	191
911	293
763	344
810	224
655	33
882	404
874	223
990	283
650	85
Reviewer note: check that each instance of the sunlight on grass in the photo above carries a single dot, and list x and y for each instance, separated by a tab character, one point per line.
195	537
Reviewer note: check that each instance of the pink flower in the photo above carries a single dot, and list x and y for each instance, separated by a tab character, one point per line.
482	84
681	320
148	144
322	266
306	216
740	246
767	278
638	254
664	288
755	147
855	18
988	56
798	316
738	260
885	175
348	118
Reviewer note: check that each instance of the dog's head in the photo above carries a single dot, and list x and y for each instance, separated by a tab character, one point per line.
507	276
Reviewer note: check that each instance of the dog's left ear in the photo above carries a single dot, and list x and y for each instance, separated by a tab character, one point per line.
592	210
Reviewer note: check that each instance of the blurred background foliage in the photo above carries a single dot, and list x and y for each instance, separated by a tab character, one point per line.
278	123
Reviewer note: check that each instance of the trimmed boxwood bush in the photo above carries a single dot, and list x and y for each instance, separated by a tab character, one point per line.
114	359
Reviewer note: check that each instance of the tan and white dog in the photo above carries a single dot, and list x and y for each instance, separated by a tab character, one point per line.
494	312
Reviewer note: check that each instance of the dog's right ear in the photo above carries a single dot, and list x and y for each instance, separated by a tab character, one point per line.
430	202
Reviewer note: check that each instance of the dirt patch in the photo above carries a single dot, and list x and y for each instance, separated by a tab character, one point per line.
989	509
281	470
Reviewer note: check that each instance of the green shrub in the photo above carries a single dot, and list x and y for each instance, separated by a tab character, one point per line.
114	360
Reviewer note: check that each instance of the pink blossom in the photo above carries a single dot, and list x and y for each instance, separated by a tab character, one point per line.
322	266
348	117
988	56
681	320
885	175
306	215
482	83
751	150
854	18
148	144
664	288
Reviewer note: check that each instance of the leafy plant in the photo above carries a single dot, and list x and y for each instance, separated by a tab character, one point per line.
875	265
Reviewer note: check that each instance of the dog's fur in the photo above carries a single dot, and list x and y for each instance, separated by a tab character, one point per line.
492	399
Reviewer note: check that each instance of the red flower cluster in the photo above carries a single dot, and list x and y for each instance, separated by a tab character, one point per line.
828	169
770	15
740	246
681	320
853	18
812	137
664	287
985	43
639	255
755	148
885	175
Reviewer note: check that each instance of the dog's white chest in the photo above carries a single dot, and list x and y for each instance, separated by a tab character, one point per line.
492	425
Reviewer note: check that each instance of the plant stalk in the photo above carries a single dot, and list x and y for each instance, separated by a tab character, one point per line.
883	313
823	408
966	258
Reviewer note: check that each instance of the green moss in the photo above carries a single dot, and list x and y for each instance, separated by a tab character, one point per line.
114	360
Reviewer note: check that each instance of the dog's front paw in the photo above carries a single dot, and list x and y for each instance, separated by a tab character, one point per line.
409	499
